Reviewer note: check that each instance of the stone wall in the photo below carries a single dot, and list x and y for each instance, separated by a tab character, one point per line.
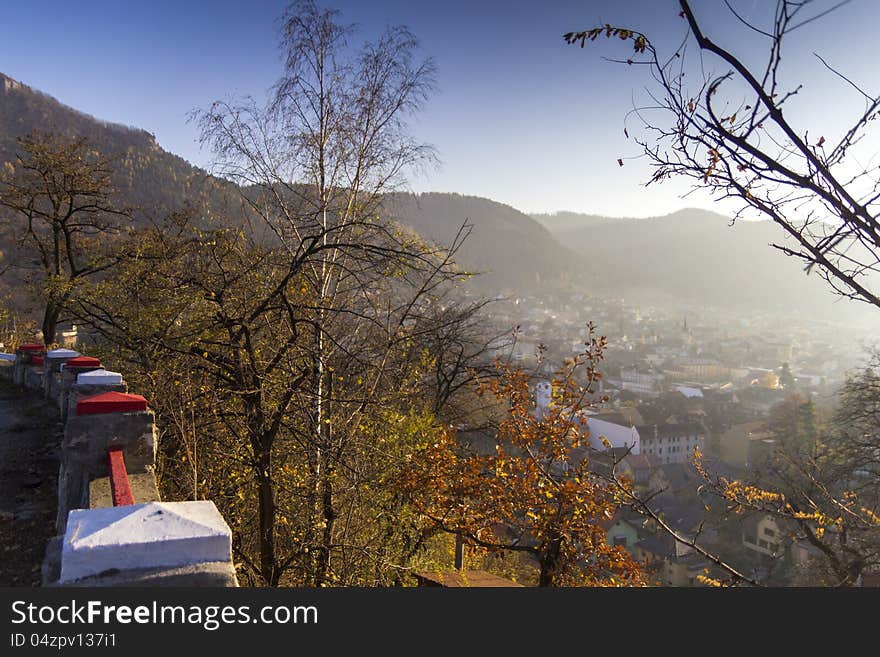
148	543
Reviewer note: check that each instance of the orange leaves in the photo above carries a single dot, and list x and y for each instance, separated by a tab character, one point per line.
640	42
534	491
714	158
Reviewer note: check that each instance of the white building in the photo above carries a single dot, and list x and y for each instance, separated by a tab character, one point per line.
616	435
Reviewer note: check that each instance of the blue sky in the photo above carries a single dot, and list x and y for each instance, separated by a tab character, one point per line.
519	117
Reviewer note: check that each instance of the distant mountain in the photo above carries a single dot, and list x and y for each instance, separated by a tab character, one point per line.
510	249
692	256
560	222
696	256
514	252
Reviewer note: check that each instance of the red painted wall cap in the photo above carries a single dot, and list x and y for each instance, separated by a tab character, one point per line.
33	346
83	361
111	402
120	486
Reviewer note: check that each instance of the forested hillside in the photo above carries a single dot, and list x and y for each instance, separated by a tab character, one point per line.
512	250
148	177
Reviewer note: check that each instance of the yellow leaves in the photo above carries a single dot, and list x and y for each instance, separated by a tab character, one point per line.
736	491
531	480
709	581
640	44
872	517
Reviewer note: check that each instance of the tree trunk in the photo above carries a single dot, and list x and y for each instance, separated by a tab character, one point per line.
549	560
325	482
268	570
50	322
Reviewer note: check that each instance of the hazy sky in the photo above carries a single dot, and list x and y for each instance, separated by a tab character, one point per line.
519	117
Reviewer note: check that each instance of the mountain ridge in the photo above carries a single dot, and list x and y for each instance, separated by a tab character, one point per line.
160	182
702	257
693	256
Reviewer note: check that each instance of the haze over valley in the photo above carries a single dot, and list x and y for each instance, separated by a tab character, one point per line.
319	321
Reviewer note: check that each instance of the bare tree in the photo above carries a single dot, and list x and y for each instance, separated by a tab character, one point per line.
61	214
314	165
730	134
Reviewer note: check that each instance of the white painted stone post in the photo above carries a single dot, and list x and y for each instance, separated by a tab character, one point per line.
88	384
53	361
70	370
178	542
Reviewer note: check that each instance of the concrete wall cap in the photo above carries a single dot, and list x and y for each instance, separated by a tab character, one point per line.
62	353
99	378
152	535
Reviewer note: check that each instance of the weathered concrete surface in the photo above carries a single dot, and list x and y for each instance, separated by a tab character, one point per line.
68	379
51	566
33	378
84	453
54	359
215	573
143	488
29	460
143	537
87	438
7	367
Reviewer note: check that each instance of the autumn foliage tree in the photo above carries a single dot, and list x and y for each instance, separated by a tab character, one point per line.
535	492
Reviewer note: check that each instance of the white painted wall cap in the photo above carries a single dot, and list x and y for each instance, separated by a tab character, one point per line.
152	535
